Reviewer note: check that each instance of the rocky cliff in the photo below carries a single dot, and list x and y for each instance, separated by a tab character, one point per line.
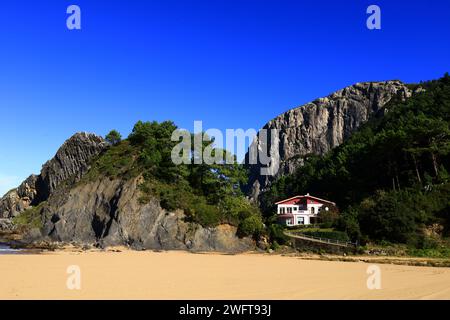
70	162
104	212
109	212
19	199
319	126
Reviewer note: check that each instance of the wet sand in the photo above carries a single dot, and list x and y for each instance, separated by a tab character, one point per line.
182	275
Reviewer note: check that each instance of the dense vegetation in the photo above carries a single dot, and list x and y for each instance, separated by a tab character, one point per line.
208	194
325	233
390	179
30	217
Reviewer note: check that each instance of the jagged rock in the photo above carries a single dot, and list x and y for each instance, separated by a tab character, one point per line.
103	212
319	126
10	204
263	243
28	188
19	199
110	213
71	161
6	225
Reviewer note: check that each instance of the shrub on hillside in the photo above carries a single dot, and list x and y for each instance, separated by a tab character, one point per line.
276	233
205	214
250	226
328	218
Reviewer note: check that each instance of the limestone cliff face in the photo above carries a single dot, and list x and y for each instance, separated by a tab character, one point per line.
321	125
71	161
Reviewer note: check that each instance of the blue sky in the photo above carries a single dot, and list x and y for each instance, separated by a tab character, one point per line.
231	64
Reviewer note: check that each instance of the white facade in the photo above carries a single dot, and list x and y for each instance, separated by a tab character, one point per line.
300	210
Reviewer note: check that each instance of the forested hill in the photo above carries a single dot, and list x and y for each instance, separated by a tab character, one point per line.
111	191
390	179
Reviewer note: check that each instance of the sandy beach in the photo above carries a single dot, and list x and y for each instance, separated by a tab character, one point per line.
182	275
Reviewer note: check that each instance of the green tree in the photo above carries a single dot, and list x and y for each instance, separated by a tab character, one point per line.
113	137
251	226
328	217
389	216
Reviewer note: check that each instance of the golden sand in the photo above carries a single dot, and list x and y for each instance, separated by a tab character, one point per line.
182	275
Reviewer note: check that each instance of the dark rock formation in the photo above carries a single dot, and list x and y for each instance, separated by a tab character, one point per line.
71	161
18	200
319	126
109	213
105	212
5	225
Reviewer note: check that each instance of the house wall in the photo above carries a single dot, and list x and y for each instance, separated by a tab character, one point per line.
305	219
316	206
295	210
295	222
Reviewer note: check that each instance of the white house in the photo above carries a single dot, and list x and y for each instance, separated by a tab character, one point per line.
301	210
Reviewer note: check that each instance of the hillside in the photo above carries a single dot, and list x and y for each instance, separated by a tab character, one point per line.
379	150
390	178
128	192
319	126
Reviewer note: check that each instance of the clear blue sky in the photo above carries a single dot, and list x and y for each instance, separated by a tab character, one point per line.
230	63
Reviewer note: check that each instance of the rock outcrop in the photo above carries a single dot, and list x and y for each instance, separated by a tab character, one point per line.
319	126
71	161
109	213
19	199
105	212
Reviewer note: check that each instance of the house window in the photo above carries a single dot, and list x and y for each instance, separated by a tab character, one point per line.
313	210
295	208
282	210
289	210
300	220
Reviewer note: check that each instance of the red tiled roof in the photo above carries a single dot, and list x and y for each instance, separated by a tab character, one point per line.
306	196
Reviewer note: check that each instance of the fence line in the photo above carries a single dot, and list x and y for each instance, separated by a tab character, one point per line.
322	240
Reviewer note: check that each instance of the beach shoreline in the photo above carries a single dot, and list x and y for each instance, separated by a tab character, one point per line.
120	273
